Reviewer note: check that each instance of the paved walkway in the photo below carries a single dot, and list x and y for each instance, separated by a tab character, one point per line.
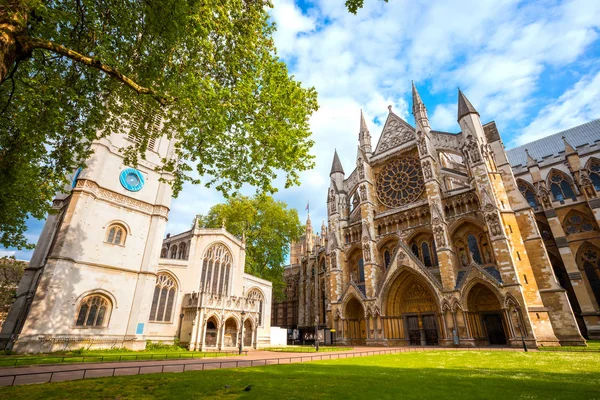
62	372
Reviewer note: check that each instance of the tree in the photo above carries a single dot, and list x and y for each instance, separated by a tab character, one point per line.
75	70
354	5
11	271
269	228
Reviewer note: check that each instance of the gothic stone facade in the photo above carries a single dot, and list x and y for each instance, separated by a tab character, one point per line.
431	241
101	275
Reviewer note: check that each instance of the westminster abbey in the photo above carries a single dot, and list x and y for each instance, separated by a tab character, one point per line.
440	238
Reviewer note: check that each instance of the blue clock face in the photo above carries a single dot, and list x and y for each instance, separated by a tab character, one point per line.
132	179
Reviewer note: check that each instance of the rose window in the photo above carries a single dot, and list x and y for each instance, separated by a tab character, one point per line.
400	182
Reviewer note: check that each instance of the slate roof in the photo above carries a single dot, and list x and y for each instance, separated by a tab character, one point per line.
464	106
588	133
336	166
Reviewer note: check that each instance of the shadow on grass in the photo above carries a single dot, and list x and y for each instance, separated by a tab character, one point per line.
382	377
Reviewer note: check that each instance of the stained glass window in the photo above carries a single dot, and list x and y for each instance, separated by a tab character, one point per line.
163	299
93	311
400	182
560	186
528	192
595	173
116	234
576	222
474	249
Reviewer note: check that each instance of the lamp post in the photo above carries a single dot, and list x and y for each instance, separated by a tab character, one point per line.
517	315
242	331
180	324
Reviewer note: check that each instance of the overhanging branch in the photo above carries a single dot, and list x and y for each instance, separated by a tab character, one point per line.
33	43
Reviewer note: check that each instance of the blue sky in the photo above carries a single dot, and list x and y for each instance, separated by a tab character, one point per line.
533	67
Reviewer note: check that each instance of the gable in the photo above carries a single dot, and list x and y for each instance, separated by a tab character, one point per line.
395	133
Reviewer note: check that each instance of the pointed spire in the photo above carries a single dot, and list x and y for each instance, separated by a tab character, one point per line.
416	98
568	148
464	106
364	137
363	123
336	166
530	160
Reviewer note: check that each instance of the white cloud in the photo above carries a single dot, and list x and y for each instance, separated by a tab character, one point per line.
576	106
7	253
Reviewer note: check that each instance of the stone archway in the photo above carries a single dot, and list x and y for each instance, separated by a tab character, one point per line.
486	318
248	333
230	336
212	332
354	322
411	312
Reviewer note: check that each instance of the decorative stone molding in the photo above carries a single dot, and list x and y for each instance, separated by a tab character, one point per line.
114	197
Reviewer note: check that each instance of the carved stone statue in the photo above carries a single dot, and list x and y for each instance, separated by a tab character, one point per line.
494	224
544	195
363	192
427	170
587	186
361	168
422	144
440	238
366	251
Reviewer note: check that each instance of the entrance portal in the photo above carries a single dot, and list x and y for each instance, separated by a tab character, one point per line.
354	322
485	316
411	312
494	328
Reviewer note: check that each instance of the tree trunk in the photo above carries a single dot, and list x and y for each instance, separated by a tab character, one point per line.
13	22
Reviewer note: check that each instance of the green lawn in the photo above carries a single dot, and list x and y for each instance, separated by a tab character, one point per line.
116	355
592	345
306	349
419	375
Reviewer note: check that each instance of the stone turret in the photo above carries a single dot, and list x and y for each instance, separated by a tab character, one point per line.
364	136
337	171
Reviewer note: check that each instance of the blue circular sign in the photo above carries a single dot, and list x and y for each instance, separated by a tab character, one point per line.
132	179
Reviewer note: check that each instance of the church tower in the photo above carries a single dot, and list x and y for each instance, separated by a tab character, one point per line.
93	273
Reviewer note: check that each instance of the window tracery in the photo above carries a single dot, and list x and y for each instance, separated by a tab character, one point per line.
472	245
216	269
576	222
163	300
560	186
94	311
589	262
116	234
529	193
400	182
594	168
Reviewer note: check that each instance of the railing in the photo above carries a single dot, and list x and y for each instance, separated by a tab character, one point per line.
52	360
13	379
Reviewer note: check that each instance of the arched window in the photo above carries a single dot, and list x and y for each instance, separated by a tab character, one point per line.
474	249
216	269
426	254
116	234
589	256
258	300
361	270
173	252
576	222
529	193
94	311
182	253
163	252
387	258
415	250
594	169
560	186
163	300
